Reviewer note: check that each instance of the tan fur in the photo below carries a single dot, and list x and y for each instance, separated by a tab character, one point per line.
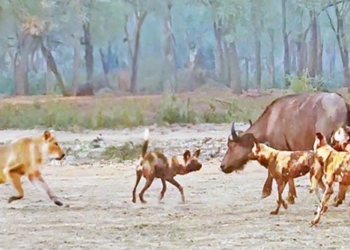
335	168
23	157
283	166
156	165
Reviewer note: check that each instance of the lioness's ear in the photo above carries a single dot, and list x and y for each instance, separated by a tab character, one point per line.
47	135
187	155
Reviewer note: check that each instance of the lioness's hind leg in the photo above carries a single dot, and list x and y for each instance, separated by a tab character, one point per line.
16	182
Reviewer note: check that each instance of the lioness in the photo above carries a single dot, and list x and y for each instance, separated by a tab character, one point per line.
24	157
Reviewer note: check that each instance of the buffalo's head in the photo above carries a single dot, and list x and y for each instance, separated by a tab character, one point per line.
238	151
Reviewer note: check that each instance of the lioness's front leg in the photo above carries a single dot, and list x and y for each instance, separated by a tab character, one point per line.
37	180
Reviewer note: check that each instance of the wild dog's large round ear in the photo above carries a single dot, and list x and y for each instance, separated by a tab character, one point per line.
319	136
187	155
197	153
47	135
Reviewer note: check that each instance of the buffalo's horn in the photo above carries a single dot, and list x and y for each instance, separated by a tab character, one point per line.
233	132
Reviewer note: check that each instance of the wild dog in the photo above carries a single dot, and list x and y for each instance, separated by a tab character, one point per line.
156	165
282	166
23	157
335	167
340	141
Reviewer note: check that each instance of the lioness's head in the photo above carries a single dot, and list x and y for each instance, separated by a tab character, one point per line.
51	147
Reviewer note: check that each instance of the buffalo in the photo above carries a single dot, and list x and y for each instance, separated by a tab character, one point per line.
288	123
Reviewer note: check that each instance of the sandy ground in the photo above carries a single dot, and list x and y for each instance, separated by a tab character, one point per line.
221	212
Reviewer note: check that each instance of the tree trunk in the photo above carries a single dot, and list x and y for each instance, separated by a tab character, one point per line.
105	66
134	66
219	51
89	57
256	24
286	60
53	66
332	64
76	66
21	63
169	69
246	65
319	55
313	46
342	44
272	57
235	82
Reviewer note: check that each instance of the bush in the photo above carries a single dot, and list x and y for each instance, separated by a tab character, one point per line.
304	83
172	110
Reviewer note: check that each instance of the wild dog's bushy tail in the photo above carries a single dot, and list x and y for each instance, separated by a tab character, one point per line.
145	142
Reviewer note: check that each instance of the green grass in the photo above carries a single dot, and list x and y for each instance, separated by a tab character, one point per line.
128	113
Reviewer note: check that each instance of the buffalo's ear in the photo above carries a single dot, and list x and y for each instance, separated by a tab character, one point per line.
247	140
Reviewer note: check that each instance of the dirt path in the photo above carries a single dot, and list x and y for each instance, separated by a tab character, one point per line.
222	211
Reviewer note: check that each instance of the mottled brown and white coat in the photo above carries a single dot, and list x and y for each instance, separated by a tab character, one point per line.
282	166
335	166
156	165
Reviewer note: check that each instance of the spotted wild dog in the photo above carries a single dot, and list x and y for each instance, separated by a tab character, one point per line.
282	166
23	157
335	167
157	165
340	141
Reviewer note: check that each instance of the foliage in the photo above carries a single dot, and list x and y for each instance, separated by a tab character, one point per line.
303	83
172	110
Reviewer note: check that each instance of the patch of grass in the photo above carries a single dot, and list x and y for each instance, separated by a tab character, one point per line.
173	110
304	83
127	151
211	115
60	115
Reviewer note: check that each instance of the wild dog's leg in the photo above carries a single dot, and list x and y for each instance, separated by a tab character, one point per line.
323	205
15	178
267	189
292	193
138	178
37	180
163	190
338	200
280	187
176	184
147	185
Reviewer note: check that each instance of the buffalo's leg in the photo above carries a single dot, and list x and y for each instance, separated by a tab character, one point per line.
280	187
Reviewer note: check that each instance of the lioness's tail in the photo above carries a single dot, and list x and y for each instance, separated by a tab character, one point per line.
145	142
